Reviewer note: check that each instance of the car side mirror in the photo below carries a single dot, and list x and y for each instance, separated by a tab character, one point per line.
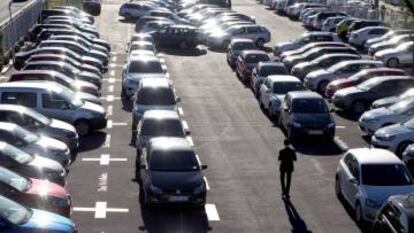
143	166
204	167
178	99
353	180
285	109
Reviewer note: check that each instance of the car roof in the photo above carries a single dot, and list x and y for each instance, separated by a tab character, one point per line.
330	55
29	72
59	63
58	41
240	40
170	144
347	62
320	33
382	69
283	78
371	28
160	114
51	86
252	51
374	156
304	95
156	83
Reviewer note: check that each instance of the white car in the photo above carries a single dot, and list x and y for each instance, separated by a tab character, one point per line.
385	37
274	89
395	138
402	55
359	37
260	35
304	39
374	119
388	101
318	80
329	25
366	177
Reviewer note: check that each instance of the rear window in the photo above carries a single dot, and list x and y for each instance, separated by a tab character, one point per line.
285	87
169	161
145	67
155	96
170	128
243	46
255	58
309	106
272	70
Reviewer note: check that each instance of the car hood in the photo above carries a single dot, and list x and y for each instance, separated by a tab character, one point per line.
385	102
51	143
57	124
301	65
88	97
312	118
318	74
93	107
381	193
43	220
176	180
392	130
89	75
46	188
378	113
46	164
139	76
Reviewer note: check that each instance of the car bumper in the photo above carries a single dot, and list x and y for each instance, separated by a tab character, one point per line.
176	200
311	132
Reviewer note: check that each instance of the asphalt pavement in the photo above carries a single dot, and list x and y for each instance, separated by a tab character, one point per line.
231	135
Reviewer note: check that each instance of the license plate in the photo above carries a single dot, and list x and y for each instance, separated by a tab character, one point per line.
178	198
315	132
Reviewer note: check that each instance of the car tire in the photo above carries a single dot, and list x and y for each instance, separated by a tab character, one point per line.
358	107
393	63
82	127
259	43
338	190
401	148
270	112
322	87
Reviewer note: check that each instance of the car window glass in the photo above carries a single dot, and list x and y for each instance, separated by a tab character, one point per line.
20	98
252	30
53	101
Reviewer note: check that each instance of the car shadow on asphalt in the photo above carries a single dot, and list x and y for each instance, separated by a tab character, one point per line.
126	104
316	147
298	224
92	141
351	215
184	52
172	219
124	20
347	115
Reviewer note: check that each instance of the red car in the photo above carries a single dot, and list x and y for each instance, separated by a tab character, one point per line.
35	193
247	60
359	78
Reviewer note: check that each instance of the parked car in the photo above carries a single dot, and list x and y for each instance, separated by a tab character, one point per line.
37	28
168	165
141	45
136	9
54	76
153	94
146	18
67	12
136	69
305	113
159	123
38	123
35	192
246	62
304	68
34	144
273	91
388	101
362	23
304	39
367	177
263	70
55	102
318	80
361	77
391	43
321	16
84	28
375	119
359	98
141	37
236	46
154	26
310	46
18	218
82	41
31	165
343	26
329	25
387	36
359	37
176	36
76	12
402	55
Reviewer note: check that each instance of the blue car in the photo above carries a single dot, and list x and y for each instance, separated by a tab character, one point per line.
15	218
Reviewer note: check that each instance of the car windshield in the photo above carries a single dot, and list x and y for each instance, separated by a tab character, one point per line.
69	96
402	106
155	96
145	67
25	135
243	46
409	124
15	213
385	175
163	127
15	153
13	179
281	88
309	106
335	67
38	117
173	161
270	70
367	85
256	58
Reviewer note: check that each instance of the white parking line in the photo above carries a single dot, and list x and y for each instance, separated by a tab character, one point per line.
341	143
180	111
111	80
207	185
111	88
100	209
211	211
112	73
340	127
107	143
114	53
110	98
114	59
112	65
190	140
109	110
105	159
110	124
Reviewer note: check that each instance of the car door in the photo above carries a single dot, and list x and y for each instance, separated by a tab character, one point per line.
384	89
252	33
285	112
265	92
54	106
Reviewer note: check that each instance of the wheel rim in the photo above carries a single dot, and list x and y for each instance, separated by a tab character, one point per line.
393	62
82	128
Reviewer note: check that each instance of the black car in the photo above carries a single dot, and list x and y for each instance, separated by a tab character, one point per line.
312	54
65	12
37	28
147	18
176	36
358	24
395	216
302	69
305	113
170	173
359	98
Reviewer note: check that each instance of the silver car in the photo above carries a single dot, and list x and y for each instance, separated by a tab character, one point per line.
40	124
34	144
395	138
402	55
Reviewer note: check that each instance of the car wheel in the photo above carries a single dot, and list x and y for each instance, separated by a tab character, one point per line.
183	45
260	43
261	104
358	107
393	63
401	148
338	190
322	87
82	127
225	44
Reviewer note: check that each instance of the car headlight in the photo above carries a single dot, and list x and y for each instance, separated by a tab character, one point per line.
155	189
372	204
59	202
200	189
296	124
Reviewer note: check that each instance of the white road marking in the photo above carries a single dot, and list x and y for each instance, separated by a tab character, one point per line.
180	111
111	80
340	127
114	59
100	209
107	143
317	165
114	53
190	140
110	124
111	88
198	159
103	182
205	180
341	143
185	125
112	73
109	110
112	65
110	98
105	159
211	211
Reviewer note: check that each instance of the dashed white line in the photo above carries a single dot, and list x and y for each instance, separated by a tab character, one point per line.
180	111
109	110
112	65
340	127
112	73
110	98
114	59
110	124
341	143
212	213
100	209
111	88
107	143
105	159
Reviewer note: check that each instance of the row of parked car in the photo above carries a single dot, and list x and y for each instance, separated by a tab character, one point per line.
45	105
163	150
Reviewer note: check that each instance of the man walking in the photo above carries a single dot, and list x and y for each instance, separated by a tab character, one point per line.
287	156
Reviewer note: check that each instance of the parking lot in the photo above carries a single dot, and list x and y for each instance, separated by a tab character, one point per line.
231	134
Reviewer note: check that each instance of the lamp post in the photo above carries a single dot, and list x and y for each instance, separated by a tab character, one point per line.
11	26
